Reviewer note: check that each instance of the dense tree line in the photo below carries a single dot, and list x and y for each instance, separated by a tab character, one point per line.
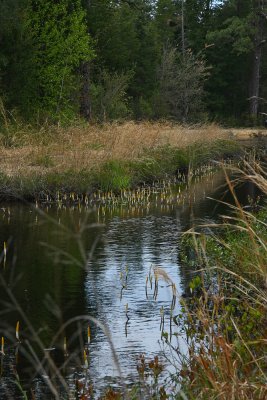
186	60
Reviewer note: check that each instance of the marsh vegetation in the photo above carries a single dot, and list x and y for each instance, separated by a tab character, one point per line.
195	308
111	157
120	277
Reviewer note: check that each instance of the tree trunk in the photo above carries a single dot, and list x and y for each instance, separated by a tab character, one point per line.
255	81
257	57
183	29
85	100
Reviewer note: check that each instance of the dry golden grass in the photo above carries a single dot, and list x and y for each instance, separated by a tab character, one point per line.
58	149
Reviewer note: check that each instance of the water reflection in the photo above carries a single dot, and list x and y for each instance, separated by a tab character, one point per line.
112	285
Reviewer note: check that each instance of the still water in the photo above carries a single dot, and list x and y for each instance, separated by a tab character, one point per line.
99	261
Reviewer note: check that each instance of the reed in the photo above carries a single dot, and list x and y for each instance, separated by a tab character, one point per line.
224	317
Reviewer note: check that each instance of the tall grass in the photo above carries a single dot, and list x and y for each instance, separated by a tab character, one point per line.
88	146
84	158
225	317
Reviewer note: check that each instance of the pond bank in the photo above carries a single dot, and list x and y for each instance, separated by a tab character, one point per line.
215	304
113	157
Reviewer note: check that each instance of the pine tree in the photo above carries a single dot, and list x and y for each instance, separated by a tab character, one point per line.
228	47
259	40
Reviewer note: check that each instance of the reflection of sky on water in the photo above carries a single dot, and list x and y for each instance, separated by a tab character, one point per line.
137	243
134	244
134	237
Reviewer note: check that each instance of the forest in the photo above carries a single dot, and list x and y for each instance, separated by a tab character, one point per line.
133	183
110	60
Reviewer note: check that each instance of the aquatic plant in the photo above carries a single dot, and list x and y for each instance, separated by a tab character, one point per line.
224	317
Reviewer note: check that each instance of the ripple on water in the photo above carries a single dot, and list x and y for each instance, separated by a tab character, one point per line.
130	244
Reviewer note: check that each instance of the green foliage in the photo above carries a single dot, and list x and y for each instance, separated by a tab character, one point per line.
236	32
159	163
195	283
109	96
231	41
133	47
113	175
60	40
14	50
114	24
138	67
168	21
51	42
144	108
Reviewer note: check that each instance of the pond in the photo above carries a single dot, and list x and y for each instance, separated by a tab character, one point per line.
97	261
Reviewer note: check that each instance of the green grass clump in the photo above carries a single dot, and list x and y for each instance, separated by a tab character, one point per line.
35	186
113	175
205	152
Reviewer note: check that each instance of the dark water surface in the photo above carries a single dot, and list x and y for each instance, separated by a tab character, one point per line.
45	271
